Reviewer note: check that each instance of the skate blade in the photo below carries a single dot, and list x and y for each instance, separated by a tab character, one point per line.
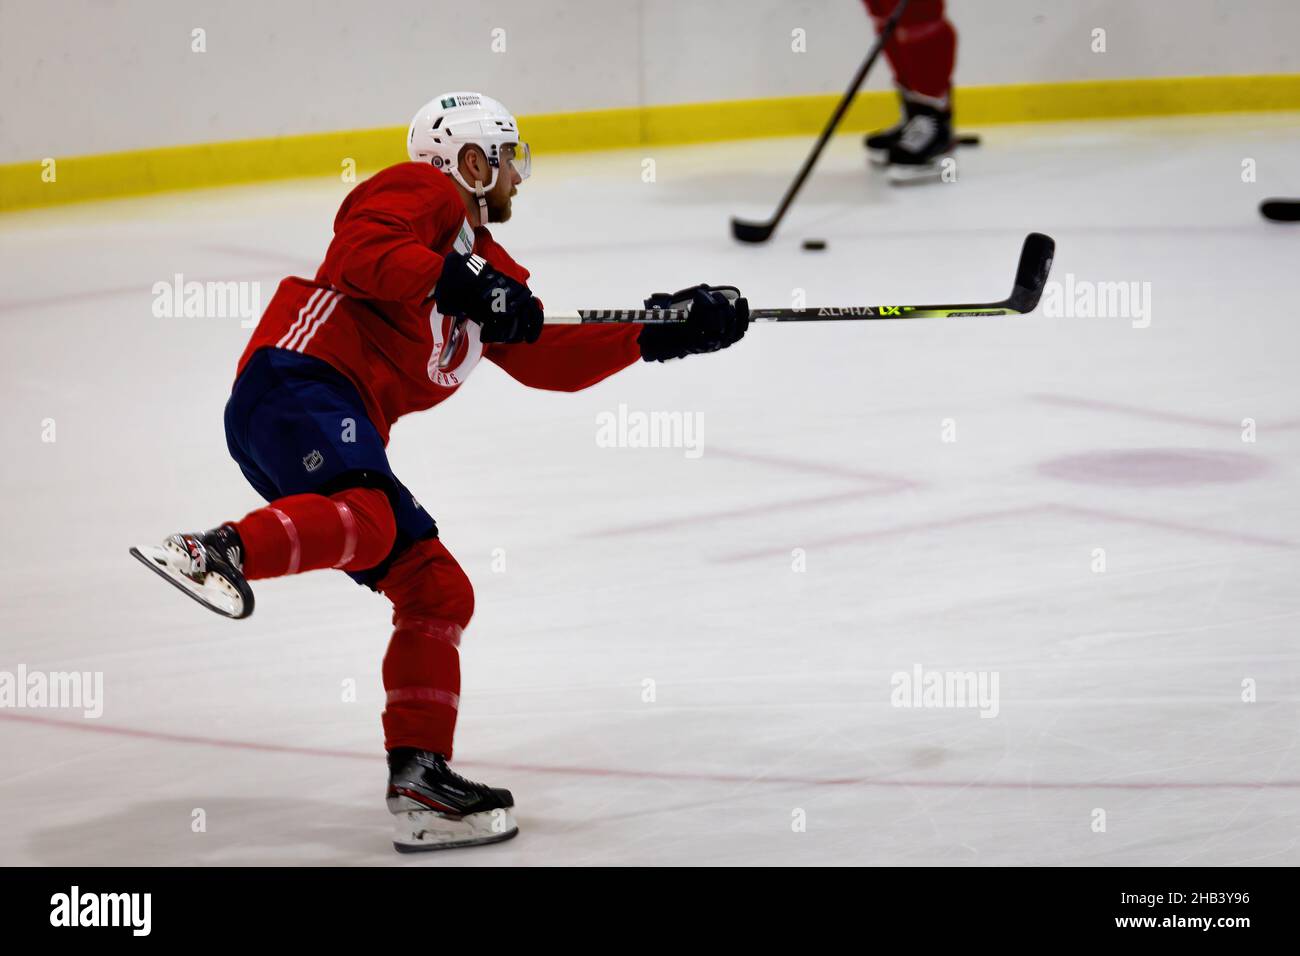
903	175
214	592
878	157
415	831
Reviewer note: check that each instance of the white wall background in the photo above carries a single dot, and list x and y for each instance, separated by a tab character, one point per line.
90	76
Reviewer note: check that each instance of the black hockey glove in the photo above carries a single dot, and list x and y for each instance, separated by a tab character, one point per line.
718	317
504	308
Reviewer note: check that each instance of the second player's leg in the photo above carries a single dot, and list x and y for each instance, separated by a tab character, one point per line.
922	53
923	49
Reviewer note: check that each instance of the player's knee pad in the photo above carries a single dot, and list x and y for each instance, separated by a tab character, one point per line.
368	515
425	581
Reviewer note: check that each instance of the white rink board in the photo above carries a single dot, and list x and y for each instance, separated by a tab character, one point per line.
1119	691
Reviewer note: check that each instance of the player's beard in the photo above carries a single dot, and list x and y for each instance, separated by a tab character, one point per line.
498	205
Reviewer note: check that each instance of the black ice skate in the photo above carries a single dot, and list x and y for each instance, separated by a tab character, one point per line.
436	809
924	141
882	141
208	566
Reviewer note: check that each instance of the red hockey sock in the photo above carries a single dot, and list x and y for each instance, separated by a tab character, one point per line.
422	680
432	603
353	530
923	49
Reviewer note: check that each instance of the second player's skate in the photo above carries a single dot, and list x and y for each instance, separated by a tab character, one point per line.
208	566
435	808
922	145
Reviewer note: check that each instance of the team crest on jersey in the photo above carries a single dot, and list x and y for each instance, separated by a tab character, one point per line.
456	349
313	460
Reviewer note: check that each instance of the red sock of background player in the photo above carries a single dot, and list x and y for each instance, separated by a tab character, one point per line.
923	50
353	530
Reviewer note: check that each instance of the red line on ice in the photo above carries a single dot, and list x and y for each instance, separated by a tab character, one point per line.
613	772
1154	414
767	508
1244	537
874	484
860	537
813	467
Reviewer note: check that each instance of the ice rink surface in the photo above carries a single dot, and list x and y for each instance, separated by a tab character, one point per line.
647	670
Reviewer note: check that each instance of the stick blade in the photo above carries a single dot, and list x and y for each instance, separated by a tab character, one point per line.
1280	210
752	231
1031	273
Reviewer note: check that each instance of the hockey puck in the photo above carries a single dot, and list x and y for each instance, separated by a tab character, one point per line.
814	245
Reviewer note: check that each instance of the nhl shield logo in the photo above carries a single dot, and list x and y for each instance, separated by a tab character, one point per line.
313	460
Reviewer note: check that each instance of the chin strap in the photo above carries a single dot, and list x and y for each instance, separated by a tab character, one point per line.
480	193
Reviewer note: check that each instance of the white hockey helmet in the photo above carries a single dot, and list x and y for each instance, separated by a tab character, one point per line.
447	123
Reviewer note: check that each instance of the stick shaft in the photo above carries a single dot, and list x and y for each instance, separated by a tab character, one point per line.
886	32
1032	270
812	314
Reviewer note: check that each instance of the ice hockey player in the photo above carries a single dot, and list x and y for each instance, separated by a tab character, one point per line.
414	291
922	53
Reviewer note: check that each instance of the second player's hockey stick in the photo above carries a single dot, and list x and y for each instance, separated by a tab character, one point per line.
1031	277
762	231
1281	210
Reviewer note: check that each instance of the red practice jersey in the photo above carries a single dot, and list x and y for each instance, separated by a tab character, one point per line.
370	311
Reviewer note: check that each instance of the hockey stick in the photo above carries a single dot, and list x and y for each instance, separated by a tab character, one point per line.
762	231
1280	210
1031	276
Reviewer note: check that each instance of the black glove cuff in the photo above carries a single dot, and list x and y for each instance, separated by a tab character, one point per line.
659	343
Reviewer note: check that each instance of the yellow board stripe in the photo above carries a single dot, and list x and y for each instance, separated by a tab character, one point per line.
75	178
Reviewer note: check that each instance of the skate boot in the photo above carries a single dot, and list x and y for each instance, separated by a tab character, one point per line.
923	143
880	142
435	808
208	566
